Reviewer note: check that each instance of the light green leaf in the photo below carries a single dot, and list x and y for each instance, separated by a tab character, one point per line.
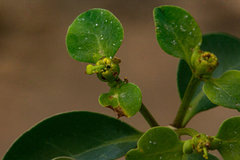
229	133
157	143
75	135
94	34
177	32
224	91
125	100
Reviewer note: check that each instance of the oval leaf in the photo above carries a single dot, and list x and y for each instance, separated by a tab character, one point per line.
75	135
229	133
227	49
225	91
157	143
94	34
125	100
176	30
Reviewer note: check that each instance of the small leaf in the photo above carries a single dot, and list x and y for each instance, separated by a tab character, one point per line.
157	143
195	156
177	32
229	133
75	135
224	91
94	34
227	50
125	100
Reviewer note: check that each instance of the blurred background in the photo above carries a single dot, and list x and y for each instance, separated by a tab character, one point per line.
39	79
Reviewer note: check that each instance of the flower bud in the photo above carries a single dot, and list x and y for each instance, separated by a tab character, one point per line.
187	147
203	63
201	144
90	69
107	69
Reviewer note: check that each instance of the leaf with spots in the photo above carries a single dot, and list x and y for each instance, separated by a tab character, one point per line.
224	91
177	32
125	100
94	34
157	143
229	133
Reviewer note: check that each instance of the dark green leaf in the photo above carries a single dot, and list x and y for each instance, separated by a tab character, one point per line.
94	34
227	49
157	143
195	156
229	133
177	32
76	135
225	91
63	158
125	100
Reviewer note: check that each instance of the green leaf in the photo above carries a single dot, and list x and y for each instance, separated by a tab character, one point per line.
157	143
225	91
177	32
227	50
63	158
75	135
94	34
125	100
195	156
229	133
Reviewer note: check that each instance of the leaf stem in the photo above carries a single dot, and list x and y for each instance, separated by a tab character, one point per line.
191	88
148	116
186	131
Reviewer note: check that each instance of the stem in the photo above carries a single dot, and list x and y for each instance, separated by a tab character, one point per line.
148	117
186	131
191	88
98	68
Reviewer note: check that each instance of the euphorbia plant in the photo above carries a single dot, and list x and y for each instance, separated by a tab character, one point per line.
207	77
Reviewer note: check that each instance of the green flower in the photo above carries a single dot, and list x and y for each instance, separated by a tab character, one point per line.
203	64
107	69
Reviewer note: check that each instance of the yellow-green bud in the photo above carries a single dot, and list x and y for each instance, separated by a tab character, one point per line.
89	69
110	71
187	147
201	144
203	63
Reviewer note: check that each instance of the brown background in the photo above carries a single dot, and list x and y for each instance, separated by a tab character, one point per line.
39	79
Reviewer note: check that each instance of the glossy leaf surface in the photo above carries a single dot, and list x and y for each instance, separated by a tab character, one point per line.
126	98
75	135
94	34
224	91
229	133
227	49
176	30
157	143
